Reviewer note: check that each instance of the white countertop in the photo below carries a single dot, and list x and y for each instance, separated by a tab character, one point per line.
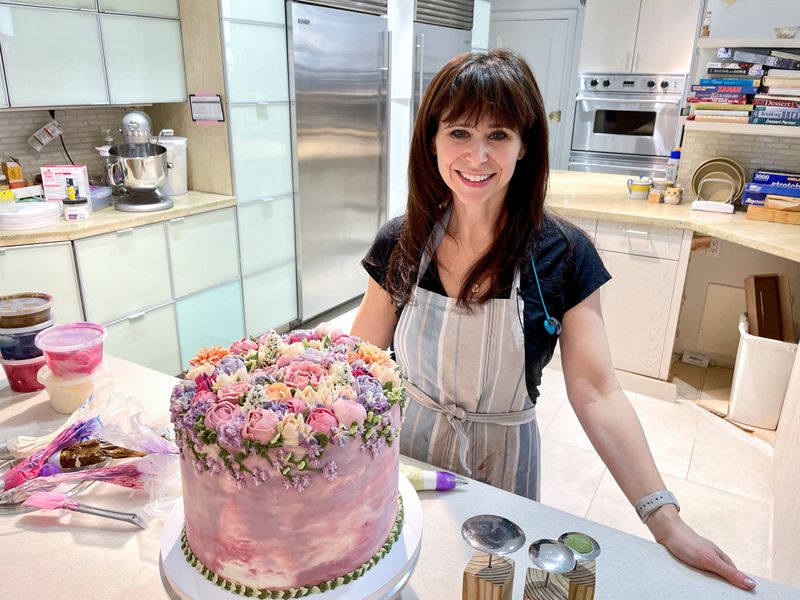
76	556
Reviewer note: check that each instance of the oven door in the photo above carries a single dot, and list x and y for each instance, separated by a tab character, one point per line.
625	124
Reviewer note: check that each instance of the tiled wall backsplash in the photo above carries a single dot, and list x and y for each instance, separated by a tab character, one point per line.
82	133
751	151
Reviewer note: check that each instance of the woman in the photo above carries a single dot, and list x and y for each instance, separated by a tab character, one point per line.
471	288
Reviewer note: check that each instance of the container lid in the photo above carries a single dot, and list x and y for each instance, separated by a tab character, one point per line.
76	202
675	154
99	192
71	337
24	303
22	363
29	328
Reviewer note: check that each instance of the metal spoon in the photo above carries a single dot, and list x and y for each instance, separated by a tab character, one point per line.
552	556
583	546
492	534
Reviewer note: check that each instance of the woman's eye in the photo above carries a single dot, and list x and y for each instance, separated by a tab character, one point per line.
459	134
499	135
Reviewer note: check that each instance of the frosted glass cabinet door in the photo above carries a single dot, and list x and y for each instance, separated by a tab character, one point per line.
262	151
203	250
270	298
46	268
155	8
255	58
135	340
51	57
267	11
123	272
156	74
210	317
90	4
266	232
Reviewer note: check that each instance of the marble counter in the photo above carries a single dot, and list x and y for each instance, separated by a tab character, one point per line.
108	219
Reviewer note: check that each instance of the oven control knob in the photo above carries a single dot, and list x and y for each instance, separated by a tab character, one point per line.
664	85
651	84
606	83
593	83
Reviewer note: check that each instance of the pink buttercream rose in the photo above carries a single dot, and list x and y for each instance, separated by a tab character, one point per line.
243	346
301	373
231	393
220	413
349	412
202	395
260	425
296	405
284	361
322	420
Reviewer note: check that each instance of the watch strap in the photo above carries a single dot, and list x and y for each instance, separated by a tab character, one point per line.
650	503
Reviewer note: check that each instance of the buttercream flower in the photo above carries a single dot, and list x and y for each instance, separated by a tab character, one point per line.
349	412
292	426
278	391
302	373
224	379
295	405
243	346
260	425
292	349
202	369
212	354
231	393
345	341
222	412
373	354
231	364
385	374
322	420
204	395
300	335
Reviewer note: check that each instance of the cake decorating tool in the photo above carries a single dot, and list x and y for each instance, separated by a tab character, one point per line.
584	547
56	501
571	559
552	556
431	480
486	575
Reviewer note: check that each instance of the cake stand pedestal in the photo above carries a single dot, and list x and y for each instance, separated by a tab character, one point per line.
381	582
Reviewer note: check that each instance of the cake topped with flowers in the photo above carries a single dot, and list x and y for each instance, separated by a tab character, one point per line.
268	418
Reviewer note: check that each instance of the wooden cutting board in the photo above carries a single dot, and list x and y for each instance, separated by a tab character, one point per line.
759	213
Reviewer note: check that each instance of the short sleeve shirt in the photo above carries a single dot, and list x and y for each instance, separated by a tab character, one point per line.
569	270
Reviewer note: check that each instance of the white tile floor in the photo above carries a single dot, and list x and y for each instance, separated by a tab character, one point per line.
721	475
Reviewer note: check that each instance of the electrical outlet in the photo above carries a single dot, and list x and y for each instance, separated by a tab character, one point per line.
713	249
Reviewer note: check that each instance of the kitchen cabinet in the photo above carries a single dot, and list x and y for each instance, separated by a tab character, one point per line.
123	272
134	338
260	251
3	94
641	240
79	4
270	298
639	36
267	11
157	73
255	61
52	57
214	316
46	268
153	8
203	250
261	149
589	226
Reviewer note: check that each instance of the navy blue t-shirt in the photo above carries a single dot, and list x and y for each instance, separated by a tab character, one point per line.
569	270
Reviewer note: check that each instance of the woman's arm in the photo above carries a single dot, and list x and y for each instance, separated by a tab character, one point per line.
376	319
612	426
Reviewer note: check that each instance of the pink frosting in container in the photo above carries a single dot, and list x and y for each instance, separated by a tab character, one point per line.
72	349
21	374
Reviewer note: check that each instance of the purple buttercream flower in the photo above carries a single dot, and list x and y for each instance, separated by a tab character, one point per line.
313	449
230	364
315	356
259	476
331	470
229	433
180	399
374	444
340	436
301	482
314	463
195	410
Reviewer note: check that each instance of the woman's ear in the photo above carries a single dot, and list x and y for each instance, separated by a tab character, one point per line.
522	152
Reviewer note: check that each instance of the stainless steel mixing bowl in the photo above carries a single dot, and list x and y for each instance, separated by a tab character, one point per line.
138	167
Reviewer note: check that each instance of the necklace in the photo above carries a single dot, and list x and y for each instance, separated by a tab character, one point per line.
475	288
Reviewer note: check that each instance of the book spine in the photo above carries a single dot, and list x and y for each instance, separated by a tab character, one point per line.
783	190
783	82
726	71
762	59
765	121
740	82
764	112
725	89
722	113
776	103
720	118
719	98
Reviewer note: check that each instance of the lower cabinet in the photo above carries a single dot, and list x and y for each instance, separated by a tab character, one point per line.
149	338
270	298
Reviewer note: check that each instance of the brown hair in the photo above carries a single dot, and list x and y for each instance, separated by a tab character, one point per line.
497	85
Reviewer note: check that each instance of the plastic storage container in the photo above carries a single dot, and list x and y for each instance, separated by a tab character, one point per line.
177	182
21	374
24	309
18	343
73	349
66	393
99	196
760	378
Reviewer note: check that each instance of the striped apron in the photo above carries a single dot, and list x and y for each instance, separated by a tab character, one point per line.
470	411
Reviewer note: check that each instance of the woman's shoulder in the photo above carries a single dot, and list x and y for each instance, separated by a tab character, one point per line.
557	233
376	261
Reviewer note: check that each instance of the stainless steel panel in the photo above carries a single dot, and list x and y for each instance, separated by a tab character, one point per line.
450	13
434	46
621	164
339	70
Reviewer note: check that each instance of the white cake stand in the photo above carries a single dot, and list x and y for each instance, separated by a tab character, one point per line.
381	582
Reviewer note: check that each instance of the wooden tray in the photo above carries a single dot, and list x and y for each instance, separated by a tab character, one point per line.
759	213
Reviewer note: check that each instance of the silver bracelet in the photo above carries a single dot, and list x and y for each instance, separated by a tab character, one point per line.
652	502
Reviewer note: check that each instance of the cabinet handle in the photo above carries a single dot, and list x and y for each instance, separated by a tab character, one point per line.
637	232
127	231
177	220
135	316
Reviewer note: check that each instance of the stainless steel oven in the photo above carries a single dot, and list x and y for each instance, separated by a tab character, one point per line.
625	123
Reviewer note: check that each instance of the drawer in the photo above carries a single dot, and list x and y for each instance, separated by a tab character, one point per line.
641	240
588	225
213	316
203	250
135	337
123	272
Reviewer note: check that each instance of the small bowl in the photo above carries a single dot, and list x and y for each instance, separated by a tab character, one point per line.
786	33
18	344
73	349
24	309
21	374
66	393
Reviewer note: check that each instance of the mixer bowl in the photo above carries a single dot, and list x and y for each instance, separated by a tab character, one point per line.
138	167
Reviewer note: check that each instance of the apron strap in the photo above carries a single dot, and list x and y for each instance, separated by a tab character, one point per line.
456	416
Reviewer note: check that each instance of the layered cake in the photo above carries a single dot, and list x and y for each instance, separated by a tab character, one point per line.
289	461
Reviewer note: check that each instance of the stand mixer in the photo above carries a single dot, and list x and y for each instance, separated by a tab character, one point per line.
137	168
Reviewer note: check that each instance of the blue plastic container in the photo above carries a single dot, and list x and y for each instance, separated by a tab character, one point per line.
17	344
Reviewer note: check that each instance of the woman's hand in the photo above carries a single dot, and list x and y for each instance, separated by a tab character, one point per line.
684	543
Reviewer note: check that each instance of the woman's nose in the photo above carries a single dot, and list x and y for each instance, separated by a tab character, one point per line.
478	151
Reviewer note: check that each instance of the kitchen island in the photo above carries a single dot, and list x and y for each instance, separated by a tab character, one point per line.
76	556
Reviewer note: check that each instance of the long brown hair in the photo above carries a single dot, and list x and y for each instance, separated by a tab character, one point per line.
499	86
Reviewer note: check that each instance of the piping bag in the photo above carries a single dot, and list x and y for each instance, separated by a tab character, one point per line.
431	480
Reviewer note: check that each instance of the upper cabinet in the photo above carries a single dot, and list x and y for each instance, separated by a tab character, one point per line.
85	4
51	57
156	74
639	36
153	8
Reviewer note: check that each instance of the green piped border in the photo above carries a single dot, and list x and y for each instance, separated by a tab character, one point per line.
248	592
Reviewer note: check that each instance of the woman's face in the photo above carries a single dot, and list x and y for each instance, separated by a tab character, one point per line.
477	162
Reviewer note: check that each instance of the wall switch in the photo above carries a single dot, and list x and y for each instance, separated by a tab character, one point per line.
713	249
695	358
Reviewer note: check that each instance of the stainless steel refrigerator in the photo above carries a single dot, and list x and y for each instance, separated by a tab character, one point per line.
339	78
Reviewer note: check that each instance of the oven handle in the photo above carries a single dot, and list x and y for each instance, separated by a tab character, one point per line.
626	100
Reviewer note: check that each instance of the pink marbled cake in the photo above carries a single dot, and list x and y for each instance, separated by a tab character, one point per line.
270	537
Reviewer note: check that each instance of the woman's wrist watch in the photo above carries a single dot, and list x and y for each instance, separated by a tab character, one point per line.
652	502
